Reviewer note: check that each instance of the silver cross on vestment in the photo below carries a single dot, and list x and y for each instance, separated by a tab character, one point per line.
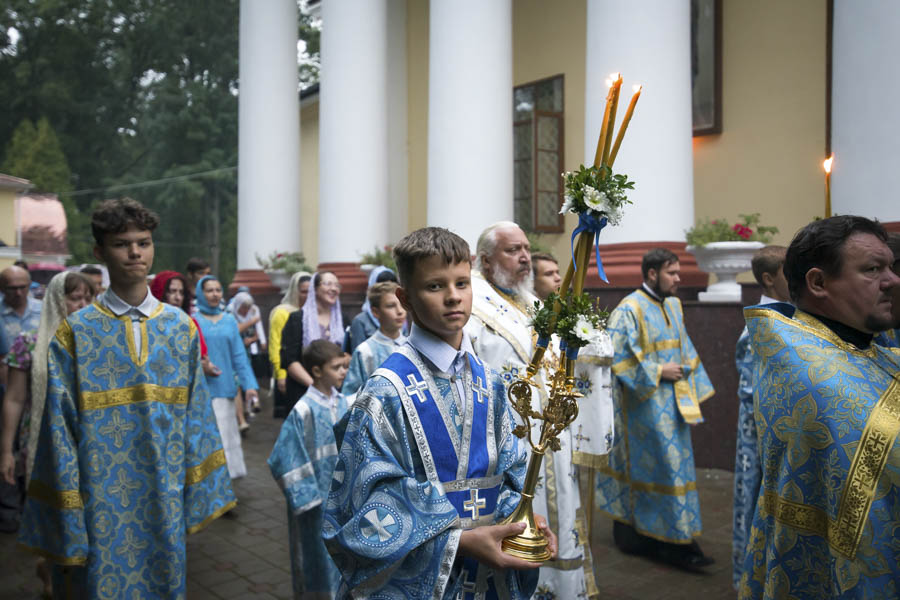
474	504
416	388
479	389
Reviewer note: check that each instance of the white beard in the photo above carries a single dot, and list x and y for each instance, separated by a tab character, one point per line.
521	288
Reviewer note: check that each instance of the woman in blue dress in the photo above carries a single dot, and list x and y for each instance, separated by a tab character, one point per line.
226	351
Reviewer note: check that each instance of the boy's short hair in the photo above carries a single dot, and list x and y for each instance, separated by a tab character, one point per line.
377	292
657	259
536	256
318	353
767	260
425	243
91	270
195	264
116	214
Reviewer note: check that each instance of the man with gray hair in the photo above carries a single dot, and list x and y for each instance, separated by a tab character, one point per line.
501	333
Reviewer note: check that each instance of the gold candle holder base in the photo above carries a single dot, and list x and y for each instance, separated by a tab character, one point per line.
531	544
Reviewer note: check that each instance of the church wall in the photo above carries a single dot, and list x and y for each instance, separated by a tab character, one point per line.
8	221
768	158
550	39
417	106
308	228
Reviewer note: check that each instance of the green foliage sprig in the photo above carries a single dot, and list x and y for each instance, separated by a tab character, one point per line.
580	320
543	318
380	256
747	229
597	191
289	262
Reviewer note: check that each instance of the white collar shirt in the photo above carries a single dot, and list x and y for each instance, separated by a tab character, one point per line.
138	313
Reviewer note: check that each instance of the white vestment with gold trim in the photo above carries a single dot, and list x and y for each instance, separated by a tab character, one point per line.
503	338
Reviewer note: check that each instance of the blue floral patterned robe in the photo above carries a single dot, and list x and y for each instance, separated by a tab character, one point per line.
889	338
828	414
650	481
129	458
390	522
747	470
302	463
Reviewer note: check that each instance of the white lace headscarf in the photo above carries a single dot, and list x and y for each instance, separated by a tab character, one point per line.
53	313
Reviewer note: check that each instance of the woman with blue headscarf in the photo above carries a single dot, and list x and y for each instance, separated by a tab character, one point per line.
226	350
365	323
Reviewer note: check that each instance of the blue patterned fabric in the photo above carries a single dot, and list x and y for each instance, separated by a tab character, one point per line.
747	470
129	457
226	350
828	415
390	522
367	357
650	481
302	462
888	339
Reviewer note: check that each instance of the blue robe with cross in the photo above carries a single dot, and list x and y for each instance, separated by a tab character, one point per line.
302	462
417	466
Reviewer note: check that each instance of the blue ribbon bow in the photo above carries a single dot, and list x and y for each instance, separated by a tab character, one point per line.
589	222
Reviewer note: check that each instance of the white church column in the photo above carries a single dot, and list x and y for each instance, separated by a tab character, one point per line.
649	43
470	156
353	131
864	122
268	134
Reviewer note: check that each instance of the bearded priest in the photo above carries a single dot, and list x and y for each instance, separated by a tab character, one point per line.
501	333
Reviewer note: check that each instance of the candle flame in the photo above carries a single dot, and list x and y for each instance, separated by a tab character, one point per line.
615	76
609	82
826	164
636	88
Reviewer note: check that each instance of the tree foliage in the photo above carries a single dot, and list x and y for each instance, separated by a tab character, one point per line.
142	95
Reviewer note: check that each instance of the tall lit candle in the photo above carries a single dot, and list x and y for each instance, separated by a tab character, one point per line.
598	156
616	87
624	126
826	164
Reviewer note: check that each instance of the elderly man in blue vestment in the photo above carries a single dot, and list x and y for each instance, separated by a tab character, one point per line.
649	486
767	266
828	414
428	466
129	458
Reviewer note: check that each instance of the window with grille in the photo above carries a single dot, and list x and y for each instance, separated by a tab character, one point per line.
538	155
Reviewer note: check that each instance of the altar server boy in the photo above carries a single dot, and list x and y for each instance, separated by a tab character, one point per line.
427	464
302	462
369	355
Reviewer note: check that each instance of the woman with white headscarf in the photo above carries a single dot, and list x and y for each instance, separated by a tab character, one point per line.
250	326
23	405
319	318
294	298
365	323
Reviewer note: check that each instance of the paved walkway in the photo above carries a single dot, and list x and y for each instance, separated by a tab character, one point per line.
245	555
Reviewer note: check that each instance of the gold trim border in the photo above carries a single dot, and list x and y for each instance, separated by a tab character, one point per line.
653	488
594	461
66	337
58	499
202	524
143	392
65	561
194	475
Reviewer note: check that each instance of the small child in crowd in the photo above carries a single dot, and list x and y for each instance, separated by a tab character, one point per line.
302	462
427	466
369	355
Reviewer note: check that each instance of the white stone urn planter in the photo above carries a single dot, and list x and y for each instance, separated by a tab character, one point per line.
279	278
726	260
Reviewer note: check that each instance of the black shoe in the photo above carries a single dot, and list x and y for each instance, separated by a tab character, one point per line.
9	526
688	557
629	541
